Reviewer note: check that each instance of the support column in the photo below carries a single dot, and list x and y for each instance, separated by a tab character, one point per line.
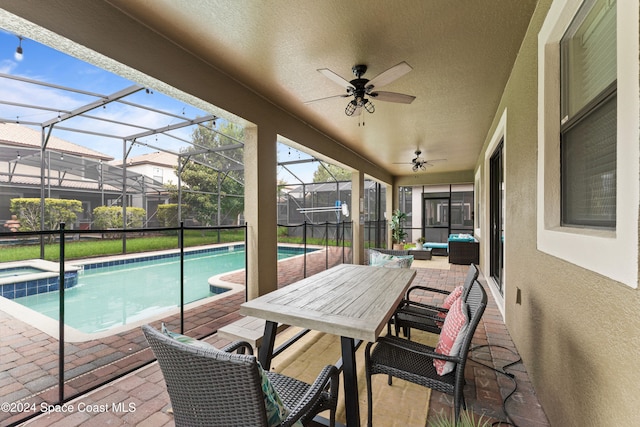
357	213
391	201
260	197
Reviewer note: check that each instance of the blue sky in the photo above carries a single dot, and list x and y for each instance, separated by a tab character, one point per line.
42	63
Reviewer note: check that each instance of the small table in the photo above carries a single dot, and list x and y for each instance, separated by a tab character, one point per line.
352	301
421	254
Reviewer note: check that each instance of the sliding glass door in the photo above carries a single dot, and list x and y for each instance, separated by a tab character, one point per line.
496	213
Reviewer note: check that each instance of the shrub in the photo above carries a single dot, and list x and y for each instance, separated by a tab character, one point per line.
108	217
28	211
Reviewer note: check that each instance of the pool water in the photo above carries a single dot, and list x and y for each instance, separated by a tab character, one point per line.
108	297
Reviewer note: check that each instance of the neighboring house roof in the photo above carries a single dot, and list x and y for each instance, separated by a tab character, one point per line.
25	175
80	168
159	158
22	136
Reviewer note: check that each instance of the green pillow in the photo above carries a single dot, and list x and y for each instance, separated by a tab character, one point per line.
277	412
378	259
186	340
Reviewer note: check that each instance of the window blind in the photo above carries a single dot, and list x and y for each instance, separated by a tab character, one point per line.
589	169
589	56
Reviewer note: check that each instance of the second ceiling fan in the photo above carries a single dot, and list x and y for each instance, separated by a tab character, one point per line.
420	163
361	88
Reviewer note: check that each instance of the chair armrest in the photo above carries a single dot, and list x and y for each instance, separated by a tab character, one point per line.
429	314
238	345
328	376
425	288
408	303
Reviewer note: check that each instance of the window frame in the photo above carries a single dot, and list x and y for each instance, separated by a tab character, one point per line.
612	253
585	115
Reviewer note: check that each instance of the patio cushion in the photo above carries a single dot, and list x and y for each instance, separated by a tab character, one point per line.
435	245
462	237
378	259
450	340
276	410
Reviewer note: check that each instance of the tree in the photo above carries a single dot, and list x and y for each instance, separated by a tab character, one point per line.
168	215
330	173
213	191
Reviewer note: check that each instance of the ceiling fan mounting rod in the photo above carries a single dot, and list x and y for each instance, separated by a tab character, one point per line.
359	70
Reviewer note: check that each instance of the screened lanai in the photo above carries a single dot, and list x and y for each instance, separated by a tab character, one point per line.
38	159
82	142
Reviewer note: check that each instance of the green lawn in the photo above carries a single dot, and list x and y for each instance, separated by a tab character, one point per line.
79	249
103	247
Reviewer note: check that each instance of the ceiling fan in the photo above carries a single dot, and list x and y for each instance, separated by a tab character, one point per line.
361	88
420	163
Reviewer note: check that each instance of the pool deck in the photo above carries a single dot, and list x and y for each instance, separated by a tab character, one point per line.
29	363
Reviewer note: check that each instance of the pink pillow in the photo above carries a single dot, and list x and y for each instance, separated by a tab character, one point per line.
450	340
449	300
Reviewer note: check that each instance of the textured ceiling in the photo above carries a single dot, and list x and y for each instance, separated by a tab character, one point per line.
461	52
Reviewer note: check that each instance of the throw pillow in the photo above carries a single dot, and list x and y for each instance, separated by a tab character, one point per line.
399	261
186	340
451	336
450	299
378	259
277	412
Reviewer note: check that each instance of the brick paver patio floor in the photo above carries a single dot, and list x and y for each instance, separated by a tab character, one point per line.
29	363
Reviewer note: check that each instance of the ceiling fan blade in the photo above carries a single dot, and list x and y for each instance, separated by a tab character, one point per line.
390	75
393	97
335	78
328	97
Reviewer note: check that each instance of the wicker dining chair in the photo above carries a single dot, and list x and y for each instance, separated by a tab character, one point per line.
412	314
210	387
414	362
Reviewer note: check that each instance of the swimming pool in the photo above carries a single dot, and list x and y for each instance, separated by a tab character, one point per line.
112	293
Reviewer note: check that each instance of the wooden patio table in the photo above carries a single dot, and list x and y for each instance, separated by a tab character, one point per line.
352	301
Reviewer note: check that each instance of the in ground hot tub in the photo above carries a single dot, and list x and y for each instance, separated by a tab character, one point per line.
31	277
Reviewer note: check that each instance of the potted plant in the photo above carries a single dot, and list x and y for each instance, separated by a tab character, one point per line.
420	242
397	232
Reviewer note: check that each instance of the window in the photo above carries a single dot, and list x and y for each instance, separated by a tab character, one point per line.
157	174
589	114
588	189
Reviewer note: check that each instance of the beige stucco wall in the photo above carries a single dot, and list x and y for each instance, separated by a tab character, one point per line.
577	331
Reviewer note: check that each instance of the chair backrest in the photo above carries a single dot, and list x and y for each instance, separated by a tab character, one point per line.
209	387
476	303
472	274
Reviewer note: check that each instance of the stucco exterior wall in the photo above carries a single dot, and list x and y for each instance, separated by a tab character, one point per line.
577	331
